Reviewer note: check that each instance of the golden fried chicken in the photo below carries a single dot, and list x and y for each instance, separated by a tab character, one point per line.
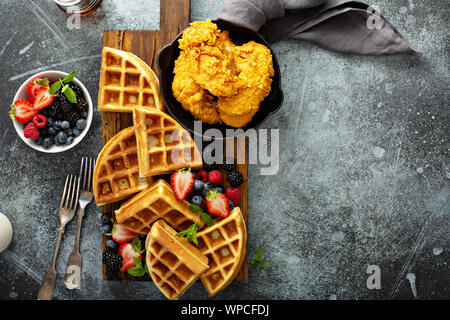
254	67
210	56
218	81
192	97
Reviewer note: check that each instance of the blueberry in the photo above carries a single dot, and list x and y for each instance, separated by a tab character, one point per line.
197	200
142	237
57	124
105	219
81	124
198	185
50	122
231	204
38	141
47	142
76	132
206	187
68	132
61	137
106	228
219	189
52	131
84	115
111	244
69	140
65	124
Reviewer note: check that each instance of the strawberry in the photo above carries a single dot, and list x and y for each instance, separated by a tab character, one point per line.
34	85
182	182
129	251
202	175
215	177
217	203
121	234
22	111
234	194
31	131
43	98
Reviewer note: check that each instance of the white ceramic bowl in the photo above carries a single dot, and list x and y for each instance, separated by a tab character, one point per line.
22	94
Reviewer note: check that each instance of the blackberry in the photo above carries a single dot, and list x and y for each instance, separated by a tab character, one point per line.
229	165
76	89
112	260
210	166
54	109
235	179
82	105
72	117
65	104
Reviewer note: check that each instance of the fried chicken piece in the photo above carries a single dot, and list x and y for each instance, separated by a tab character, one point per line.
211	58
192	97
254	67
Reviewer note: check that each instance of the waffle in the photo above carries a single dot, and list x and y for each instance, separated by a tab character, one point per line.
158	201
125	81
224	244
116	174
173	263
164	146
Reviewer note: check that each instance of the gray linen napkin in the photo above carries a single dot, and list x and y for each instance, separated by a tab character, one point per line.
345	26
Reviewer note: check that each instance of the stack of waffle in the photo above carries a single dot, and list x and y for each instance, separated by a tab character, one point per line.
126	167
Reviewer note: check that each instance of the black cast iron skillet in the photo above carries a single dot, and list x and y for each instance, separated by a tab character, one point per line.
239	35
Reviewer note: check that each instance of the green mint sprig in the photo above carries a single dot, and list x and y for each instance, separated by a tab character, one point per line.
257	260
66	90
139	269
191	232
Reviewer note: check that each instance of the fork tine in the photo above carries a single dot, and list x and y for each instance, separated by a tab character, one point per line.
81	176
85	177
64	192
76	189
66	203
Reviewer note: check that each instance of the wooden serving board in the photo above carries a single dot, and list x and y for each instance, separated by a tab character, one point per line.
175	15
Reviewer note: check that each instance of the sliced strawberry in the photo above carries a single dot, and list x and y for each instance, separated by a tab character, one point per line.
34	85
121	234
182	182
217	204
42	99
22	111
129	251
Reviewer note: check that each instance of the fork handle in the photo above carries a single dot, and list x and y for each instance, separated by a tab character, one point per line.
72	278
48	285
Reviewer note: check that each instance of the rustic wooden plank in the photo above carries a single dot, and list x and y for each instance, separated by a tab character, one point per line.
146	44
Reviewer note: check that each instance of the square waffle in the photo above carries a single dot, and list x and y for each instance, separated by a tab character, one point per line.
116	174
126	81
163	145
224	244
173	263
158	201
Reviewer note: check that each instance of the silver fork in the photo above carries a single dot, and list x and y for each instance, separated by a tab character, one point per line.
72	278
66	213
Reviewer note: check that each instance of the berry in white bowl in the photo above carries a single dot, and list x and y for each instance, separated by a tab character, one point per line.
52	111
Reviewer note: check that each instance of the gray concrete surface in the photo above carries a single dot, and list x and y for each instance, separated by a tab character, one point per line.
364	167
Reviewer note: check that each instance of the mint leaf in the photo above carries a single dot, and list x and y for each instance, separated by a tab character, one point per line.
194	208
64	88
70	94
206	218
55	87
257	260
70	77
138	270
